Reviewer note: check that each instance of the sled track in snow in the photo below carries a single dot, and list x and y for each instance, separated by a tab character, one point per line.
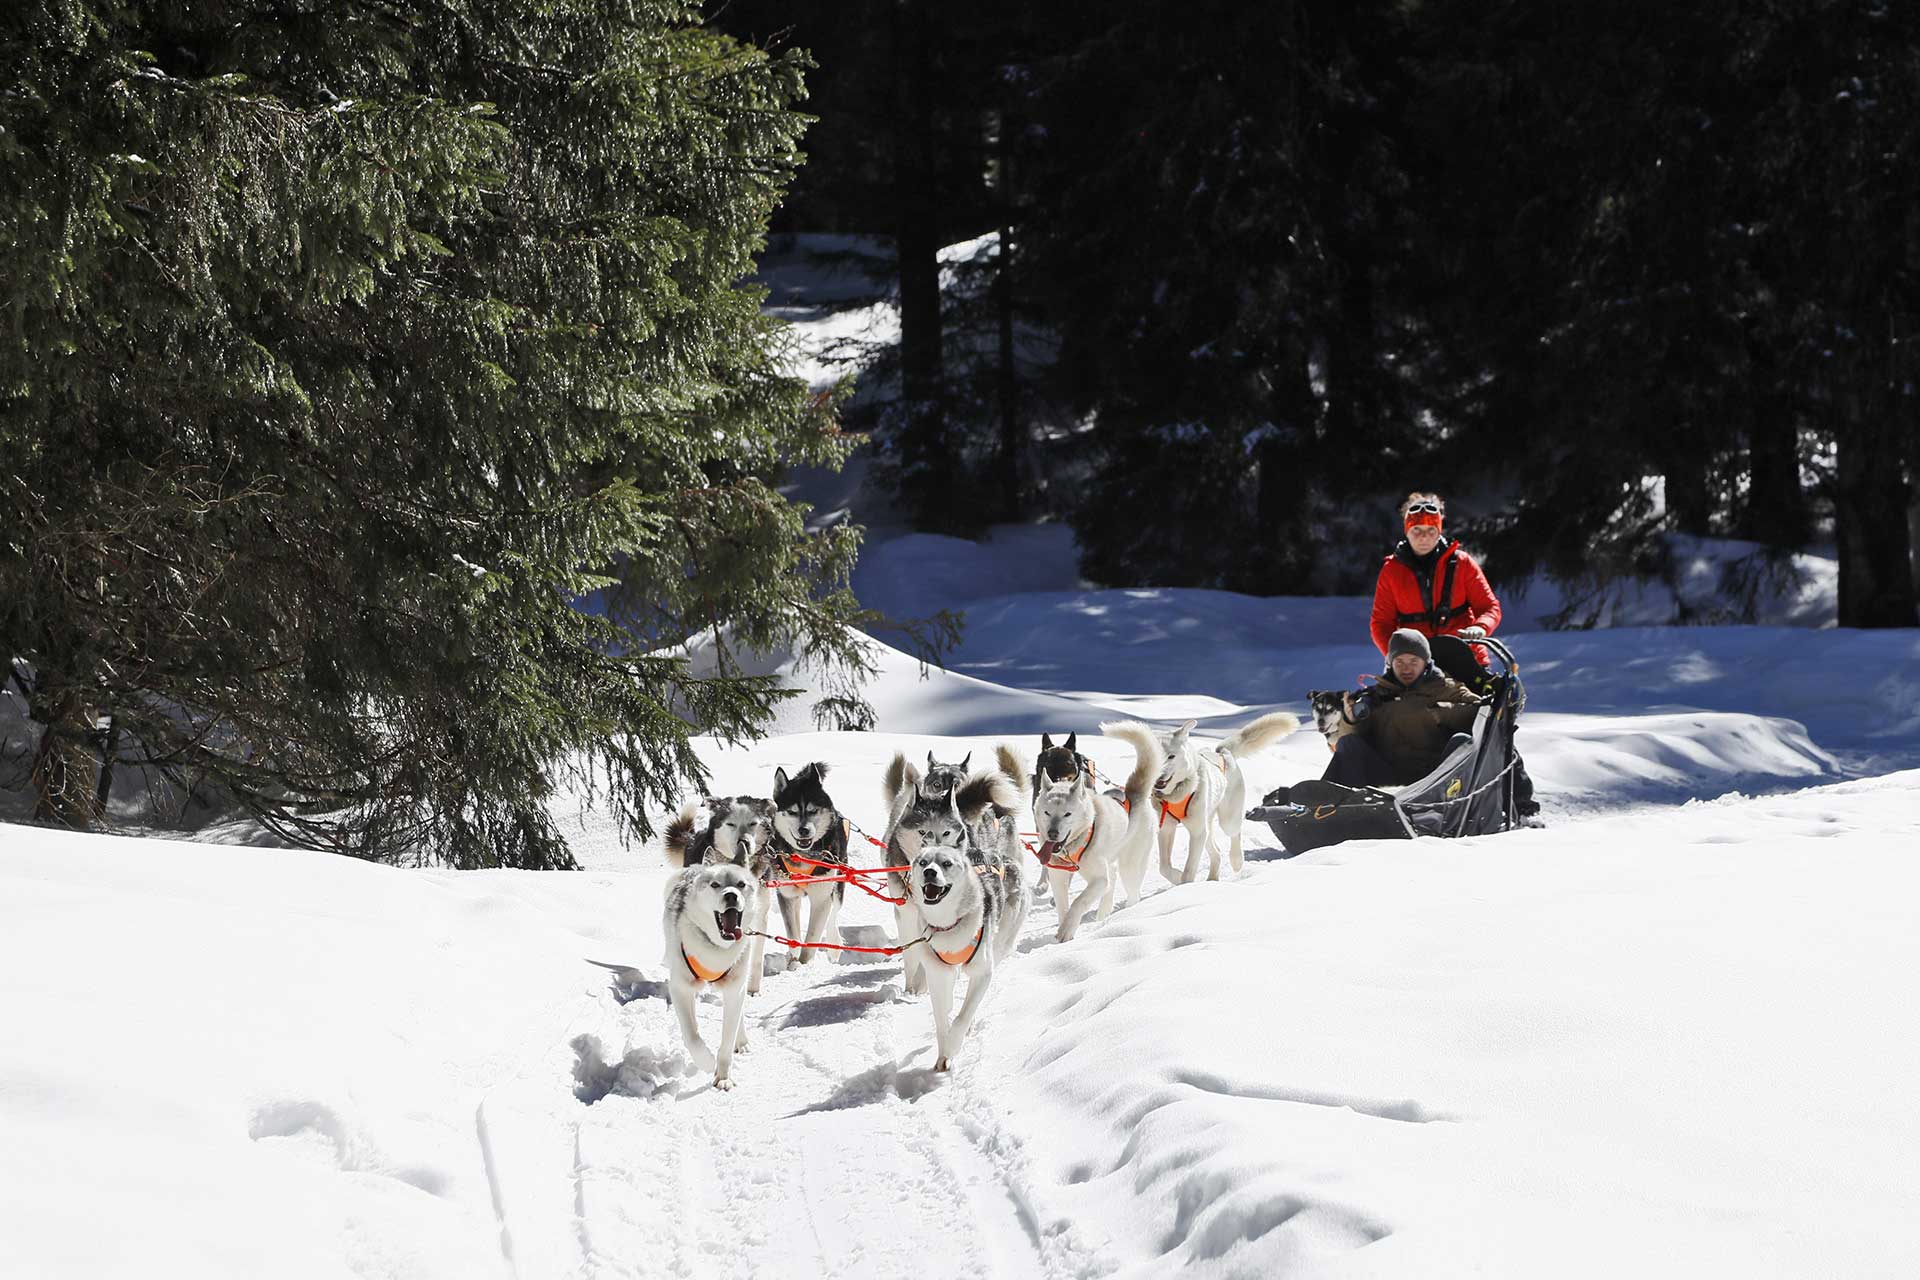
838	1152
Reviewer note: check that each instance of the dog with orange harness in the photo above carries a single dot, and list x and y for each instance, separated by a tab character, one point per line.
1197	791
970	903
707	906
1103	840
917	806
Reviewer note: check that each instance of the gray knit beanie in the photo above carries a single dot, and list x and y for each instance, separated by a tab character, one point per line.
1407	640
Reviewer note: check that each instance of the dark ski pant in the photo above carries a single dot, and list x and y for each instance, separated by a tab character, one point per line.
1356	763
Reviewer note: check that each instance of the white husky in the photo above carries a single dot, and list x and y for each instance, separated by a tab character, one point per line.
1082	830
971	905
1199	790
706	946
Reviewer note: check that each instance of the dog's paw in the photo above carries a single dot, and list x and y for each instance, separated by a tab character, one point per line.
702	1058
723	1083
943	1065
806	955
740	1043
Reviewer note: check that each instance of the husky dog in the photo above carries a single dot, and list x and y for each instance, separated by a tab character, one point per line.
1101	838
1329	716
732	822
806	825
1199	791
706	945
1058	762
987	804
970	905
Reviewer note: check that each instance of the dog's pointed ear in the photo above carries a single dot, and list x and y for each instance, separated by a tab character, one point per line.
931	766
1185	729
779	779
966	760
819	769
1080	783
1073	742
1046	742
715	803
739	858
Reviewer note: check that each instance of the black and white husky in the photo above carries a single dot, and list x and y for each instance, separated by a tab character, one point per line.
1199	790
970	904
706	945
988	806
1058	762
1329	715
1083	831
806	825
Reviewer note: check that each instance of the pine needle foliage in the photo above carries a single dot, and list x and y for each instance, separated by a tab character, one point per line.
380	403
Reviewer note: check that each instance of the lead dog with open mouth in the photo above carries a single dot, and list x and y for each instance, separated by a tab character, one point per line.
704	924
969	901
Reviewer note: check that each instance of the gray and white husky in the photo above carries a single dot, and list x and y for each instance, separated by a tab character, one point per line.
732	822
987	804
736	825
1084	831
807	828
707	907
970	904
1199	790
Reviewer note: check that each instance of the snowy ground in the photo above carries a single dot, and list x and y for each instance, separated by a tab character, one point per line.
1668	1034
1653	1038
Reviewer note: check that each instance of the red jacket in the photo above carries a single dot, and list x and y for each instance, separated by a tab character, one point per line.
1403	598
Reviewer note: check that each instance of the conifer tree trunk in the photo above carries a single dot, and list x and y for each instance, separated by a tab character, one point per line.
1007	391
1871	492
62	764
1776	505
917	244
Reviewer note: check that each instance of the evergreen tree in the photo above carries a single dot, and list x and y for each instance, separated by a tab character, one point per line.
1219	257
350	348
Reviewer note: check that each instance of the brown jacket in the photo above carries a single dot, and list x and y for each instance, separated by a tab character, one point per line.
1411	724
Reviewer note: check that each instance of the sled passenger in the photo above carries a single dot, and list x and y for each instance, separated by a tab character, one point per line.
1429	584
1404	724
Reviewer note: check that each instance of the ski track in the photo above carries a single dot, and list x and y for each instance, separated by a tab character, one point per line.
838	1151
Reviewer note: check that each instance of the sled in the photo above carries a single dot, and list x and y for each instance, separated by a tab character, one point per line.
1470	793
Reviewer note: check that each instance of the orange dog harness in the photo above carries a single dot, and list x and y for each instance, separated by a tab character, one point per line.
961	957
699	971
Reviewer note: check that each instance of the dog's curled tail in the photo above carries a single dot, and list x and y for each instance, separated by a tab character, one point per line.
1147	758
899	776
987	787
1008	758
679	835
1249	739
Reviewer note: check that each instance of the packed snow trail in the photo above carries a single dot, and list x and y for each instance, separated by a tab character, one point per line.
838	1152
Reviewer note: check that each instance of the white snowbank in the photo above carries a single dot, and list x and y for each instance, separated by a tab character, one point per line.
1658	1046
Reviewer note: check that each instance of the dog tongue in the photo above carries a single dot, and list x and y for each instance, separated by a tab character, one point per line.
1048	847
729	925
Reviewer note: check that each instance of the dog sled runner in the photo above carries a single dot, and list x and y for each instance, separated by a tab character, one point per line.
1471	793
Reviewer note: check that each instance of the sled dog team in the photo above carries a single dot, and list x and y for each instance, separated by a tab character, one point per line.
962	883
